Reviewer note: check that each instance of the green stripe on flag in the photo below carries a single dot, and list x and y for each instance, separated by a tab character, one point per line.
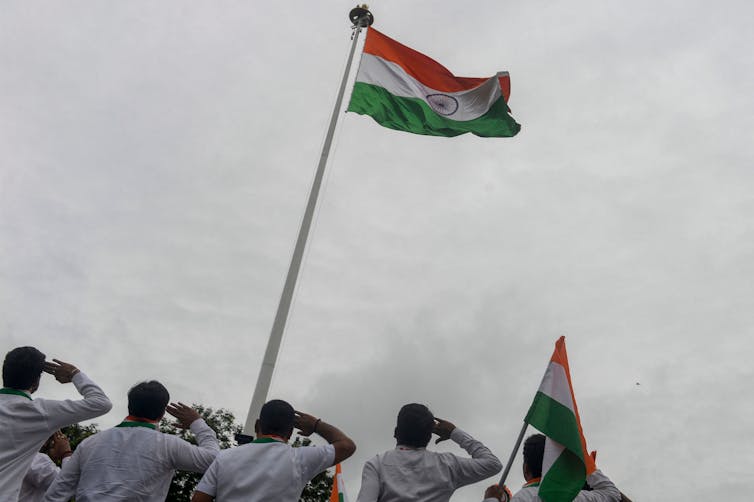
556	422
414	115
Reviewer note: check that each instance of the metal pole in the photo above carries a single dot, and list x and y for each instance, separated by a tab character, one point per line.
513	454
278	326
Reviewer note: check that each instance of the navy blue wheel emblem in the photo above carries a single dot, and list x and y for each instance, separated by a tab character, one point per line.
443	104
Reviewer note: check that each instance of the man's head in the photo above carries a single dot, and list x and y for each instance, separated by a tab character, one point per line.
148	400
276	418
534	452
414	426
22	368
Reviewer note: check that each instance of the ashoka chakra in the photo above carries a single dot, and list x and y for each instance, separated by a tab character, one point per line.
443	104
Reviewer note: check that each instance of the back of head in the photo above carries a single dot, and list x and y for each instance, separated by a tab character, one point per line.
148	400
414	426
22	368
277	417
534	452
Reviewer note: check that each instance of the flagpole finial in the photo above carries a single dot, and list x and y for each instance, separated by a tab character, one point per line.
360	16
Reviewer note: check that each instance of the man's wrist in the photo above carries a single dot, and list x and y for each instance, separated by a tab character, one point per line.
457	435
316	424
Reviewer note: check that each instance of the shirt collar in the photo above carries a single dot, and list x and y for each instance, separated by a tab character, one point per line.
533	482
132	421
404	447
15	392
270	438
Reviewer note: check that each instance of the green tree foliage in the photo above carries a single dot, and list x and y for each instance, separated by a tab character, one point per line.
76	433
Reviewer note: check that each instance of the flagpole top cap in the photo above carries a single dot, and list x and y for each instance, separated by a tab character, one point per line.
360	16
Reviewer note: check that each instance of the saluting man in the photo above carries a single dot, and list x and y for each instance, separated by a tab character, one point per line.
26	423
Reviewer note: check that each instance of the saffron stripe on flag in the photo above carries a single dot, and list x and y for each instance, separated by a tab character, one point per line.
423	68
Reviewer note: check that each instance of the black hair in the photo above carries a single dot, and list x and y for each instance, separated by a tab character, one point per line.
414	425
22	368
148	400
276	417
534	452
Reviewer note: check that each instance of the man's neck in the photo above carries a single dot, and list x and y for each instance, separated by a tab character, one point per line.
133	418
273	436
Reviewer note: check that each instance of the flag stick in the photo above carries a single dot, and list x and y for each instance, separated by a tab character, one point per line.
518	444
361	18
513	454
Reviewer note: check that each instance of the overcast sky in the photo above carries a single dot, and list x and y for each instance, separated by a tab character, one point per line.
155	159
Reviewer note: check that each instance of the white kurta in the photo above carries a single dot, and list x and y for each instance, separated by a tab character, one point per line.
420	475
264	472
26	424
603	490
39	477
131	463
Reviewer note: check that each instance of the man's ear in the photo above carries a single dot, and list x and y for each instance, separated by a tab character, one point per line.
256	427
35	387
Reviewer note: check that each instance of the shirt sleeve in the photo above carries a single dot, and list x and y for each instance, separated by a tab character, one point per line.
603	490
42	472
370	483
314	459
208	483
196	458
482	464
62	413
63	488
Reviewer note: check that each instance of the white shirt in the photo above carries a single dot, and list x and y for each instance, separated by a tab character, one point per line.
39	477
264	472
131	463
26	424
420	475
603	490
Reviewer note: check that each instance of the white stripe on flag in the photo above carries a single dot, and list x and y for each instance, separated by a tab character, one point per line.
472	103
555	385
553	449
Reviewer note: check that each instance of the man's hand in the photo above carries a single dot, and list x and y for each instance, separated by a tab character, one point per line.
63	372
443	428
60	447
186	415
502	493
305	423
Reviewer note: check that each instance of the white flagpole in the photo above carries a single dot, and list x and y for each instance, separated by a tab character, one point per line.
361	18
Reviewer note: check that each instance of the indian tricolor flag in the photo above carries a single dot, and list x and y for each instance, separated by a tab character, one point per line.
407	91
566	461
338	493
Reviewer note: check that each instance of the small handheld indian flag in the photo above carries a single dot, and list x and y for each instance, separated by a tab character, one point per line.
338	493
566	462
405	90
